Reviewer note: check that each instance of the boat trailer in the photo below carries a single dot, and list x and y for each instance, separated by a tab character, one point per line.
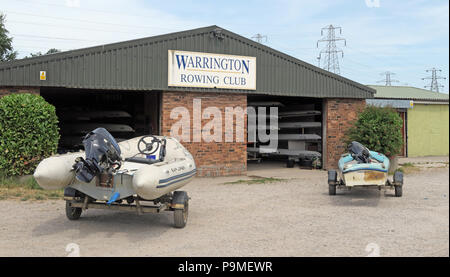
176	202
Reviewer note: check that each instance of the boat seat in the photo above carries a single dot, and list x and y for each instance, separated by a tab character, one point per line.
141	160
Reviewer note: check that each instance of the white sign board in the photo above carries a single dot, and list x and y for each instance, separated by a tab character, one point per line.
206	70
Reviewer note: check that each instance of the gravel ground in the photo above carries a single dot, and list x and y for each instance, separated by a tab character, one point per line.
295	217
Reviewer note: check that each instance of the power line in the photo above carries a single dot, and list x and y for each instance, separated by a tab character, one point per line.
75	27
59	38
356	72
331	62
40	3
259	38
34	48
434	85
388	80
366	67
86	21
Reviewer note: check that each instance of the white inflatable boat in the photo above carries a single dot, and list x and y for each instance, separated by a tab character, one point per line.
147	168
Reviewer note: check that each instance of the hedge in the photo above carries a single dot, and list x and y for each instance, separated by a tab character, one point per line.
28	133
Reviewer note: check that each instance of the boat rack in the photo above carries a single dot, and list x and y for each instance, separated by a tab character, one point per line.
297	129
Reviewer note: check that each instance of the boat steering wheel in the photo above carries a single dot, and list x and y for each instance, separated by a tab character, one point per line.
148	145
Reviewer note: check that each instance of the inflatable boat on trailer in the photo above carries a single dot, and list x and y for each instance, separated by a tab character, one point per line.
136	171
364	168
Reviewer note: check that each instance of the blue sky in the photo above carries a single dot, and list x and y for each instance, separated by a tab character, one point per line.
405	37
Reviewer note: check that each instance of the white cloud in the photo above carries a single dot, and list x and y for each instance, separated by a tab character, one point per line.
399	36
73	3
38	25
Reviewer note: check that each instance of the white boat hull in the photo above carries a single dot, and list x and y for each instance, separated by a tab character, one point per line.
149	181
365	178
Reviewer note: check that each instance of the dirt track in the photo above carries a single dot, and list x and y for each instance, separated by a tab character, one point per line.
293	218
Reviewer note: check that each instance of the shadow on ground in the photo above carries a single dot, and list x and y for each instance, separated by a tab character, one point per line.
108	224
357	197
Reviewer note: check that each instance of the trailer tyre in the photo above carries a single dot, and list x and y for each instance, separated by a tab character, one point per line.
398	191
398	178
332	177
332	189
180	216
71	212
290	163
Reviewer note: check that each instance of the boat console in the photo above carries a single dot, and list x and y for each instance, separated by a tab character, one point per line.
359	152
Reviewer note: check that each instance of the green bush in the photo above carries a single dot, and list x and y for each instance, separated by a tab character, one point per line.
28	133
379	129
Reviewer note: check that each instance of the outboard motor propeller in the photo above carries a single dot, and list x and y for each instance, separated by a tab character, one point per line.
359	152
102	154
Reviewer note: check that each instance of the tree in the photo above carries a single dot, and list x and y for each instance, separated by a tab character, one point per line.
52	51
32	55
6	50
37	54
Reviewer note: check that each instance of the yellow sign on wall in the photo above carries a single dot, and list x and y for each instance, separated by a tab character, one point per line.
42	76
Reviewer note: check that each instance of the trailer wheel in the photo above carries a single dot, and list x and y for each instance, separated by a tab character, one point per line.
398	191
181	215
290	163
332	189
398	178
71	212
332	177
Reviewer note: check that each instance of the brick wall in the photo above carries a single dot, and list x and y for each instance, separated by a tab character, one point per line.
10	90
340	115
212	158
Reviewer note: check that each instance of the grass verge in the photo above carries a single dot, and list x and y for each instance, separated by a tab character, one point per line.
25	188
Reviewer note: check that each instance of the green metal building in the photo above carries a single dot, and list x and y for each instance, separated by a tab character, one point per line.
136	78
142	64
425	115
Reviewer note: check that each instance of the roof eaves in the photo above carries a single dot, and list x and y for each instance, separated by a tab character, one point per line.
106	47
170	36
413	98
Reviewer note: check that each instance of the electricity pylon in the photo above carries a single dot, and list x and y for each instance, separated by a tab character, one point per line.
331	61
259	38
434	85
388	80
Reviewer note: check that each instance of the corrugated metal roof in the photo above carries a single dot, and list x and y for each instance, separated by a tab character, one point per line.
142	64
408	93
394	103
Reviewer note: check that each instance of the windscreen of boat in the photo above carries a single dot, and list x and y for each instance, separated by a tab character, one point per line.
359	152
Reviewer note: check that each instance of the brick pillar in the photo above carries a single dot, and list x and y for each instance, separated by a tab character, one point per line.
340	115
10	90
212	158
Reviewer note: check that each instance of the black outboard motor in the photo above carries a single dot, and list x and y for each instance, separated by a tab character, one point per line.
359	152
102	154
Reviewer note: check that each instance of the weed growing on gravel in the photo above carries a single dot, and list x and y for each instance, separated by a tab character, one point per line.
408	168
407	165
256	180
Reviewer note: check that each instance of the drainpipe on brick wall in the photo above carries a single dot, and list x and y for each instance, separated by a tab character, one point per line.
324	134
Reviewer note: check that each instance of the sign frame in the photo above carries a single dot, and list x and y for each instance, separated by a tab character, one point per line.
175	72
